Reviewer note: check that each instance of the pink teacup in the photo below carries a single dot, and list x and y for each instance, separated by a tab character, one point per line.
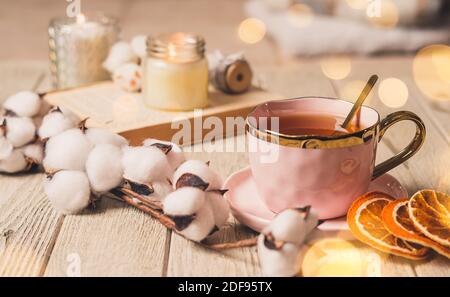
326	172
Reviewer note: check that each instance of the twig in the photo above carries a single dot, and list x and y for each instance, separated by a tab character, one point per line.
151	203
249	242
124	194
162	218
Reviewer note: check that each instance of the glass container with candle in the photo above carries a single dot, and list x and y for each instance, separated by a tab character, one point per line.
176	72
78	47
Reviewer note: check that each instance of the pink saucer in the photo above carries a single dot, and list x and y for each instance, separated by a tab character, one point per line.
249	209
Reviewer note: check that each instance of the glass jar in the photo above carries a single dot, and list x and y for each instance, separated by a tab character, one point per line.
78	47
176	72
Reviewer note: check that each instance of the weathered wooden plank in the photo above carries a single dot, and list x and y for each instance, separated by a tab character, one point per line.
111	240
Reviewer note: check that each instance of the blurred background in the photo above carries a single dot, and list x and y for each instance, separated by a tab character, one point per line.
275	35
266	29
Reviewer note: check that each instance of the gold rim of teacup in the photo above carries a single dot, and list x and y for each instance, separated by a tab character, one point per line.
315	141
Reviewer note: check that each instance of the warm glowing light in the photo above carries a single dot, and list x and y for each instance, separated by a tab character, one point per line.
388	17
431	71
336	67
172	50
441	61
251	30
333	257
300	15
357	4
81	18
393	92
353	89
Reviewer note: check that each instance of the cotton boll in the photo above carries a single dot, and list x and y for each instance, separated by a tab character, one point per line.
54	123
20	130
6	148
220	207
70	115
145	164
67	150
23	104
201	226
103	136
175	156
14	163
34	151
104	167
200	169
139	45
183	202
119	54
161	189
285	261
128	76
289	225
43	109
68	191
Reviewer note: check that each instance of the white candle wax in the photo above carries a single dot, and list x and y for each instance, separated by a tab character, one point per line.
176	86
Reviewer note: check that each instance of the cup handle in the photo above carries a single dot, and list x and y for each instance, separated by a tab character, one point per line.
408	151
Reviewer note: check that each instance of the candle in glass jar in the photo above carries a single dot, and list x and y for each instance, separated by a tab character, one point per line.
176	72
78	47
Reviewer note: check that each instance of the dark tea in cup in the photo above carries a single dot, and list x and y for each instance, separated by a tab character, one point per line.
301	124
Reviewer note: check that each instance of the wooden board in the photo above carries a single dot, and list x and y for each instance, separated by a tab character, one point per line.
108	106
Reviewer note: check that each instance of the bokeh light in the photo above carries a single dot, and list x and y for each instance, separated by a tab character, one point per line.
357	4
393	92
353	89
336	67
431	71
251	30
300	15
333	257
389	15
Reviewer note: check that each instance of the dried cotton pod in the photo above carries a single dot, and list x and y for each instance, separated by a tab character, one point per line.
15	162
139	45
67	150
201	225
119	54
68	191
200	169
175	156
128	77
220	207
103	136
145	164
279	261
104	167
280	243
23	104
19	130
161	189
54	123
289	226
183	202
34	151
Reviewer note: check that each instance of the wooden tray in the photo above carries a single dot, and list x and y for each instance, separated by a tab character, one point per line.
108	106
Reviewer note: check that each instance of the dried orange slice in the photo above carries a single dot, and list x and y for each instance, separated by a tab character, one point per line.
396	219
364	220
430	212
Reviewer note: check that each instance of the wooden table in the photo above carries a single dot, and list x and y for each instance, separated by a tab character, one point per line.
115	239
